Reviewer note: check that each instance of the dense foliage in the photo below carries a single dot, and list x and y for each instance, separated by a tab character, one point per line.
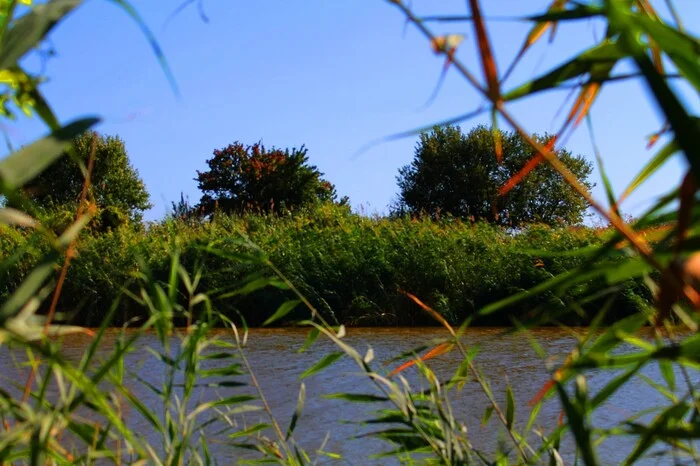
116	187
242	178
83	405
352	268
458	174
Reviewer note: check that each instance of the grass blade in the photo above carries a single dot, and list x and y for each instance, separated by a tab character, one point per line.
284	309
297	412
29	30
28	162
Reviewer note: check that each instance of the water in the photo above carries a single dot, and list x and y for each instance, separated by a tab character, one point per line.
277	365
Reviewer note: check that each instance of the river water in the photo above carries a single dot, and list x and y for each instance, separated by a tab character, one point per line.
277	365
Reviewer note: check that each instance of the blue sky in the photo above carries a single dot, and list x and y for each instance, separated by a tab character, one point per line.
333	75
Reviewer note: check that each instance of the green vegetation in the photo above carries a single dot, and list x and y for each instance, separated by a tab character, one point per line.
457	174
115	186
244	178
352	268
71	410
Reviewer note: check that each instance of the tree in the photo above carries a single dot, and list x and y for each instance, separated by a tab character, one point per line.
458	174
244	178
115	186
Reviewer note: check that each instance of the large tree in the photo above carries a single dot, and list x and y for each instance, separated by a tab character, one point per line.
458	174
252	177
115	184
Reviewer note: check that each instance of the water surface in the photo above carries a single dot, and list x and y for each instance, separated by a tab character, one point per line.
277	365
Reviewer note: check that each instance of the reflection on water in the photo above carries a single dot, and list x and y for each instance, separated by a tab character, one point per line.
277	365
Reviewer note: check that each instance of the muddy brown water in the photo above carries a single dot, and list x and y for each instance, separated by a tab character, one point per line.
277	365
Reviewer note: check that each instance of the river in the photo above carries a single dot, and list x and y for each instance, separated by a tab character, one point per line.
277	365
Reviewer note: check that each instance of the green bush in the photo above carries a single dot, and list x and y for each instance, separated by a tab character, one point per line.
353	269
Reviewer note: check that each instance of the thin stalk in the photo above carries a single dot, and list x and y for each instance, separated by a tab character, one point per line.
70	253
676	16
696	403
261	394
637	242
472	369
325	328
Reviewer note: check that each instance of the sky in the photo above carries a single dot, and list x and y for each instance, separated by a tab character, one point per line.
330	74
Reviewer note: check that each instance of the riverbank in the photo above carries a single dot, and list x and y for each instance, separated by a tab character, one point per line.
352	268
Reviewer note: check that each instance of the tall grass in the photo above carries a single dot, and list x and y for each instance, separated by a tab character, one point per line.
352	268
73	411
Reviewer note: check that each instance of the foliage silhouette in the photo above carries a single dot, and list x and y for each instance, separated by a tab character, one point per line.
242	178
116	187
457	174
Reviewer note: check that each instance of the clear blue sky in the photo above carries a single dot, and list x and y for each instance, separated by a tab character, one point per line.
331	74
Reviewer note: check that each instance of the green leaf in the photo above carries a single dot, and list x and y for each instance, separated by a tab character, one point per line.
255	285
533	415
310	339
654	164
487	415
460	376
218	355
659	388
226	371
575	413
630	268
229	401
72	231
10	216
249	431
604	55
510	408
28	162
683	49
666	368
223	383
41	107
282	311
149	415
26	290
232	400
31	28
611	337
578	11
416	131
612	387
690	348
413	352
297	411
662	421
609	192
356	397
684	127
205	449
564	279
322	364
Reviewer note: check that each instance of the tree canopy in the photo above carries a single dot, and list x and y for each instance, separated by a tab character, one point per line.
115	184
458	174
242	178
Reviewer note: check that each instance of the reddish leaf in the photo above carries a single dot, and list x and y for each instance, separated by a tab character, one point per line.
534	35
529	166
427	309
541	394
487	61
442	348
655	137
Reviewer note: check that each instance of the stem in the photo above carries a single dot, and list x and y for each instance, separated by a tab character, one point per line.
638	243
261	394
70	253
